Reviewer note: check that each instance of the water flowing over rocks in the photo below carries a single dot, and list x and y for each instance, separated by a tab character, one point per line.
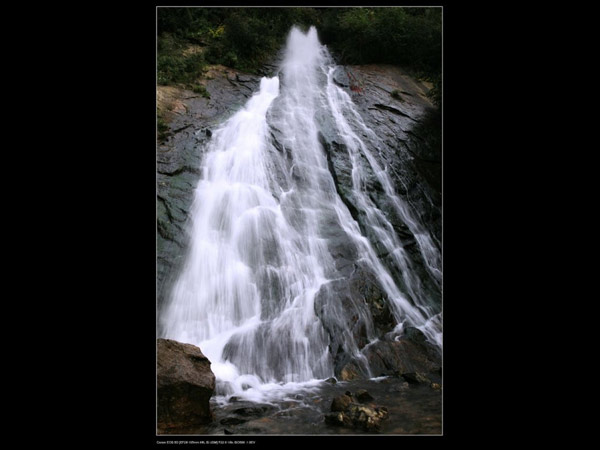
319	206
191	119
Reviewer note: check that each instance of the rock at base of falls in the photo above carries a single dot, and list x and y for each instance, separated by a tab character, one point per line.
346	413
416	378
363	396
341	403
185	384
409	354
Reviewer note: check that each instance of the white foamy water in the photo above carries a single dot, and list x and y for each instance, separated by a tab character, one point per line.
259	255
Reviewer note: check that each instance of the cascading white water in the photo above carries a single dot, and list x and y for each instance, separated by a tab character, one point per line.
347	119
259	251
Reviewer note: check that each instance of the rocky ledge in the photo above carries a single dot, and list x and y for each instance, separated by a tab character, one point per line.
185	385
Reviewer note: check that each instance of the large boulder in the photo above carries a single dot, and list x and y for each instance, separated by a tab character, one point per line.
185	384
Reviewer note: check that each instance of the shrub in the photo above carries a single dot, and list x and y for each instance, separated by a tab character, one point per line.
199	89
172	65
162	128
244	38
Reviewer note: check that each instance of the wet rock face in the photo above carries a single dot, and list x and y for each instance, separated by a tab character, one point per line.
411	353
396	108
416	378
185	384
363	315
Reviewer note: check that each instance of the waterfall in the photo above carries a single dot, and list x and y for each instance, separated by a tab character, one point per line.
261	226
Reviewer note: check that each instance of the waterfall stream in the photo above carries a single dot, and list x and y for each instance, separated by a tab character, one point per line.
262	225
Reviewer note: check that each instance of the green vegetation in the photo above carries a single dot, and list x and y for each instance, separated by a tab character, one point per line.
199	89
162	128
396	94
241	38
174	64
408	37
245	38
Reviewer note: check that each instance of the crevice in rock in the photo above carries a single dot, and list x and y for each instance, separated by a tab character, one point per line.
381	88
167	208
164	233
180	170
342	85
172	219
276	143
177	130
392	110
353	211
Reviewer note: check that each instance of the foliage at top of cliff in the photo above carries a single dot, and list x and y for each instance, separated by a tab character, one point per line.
245	38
